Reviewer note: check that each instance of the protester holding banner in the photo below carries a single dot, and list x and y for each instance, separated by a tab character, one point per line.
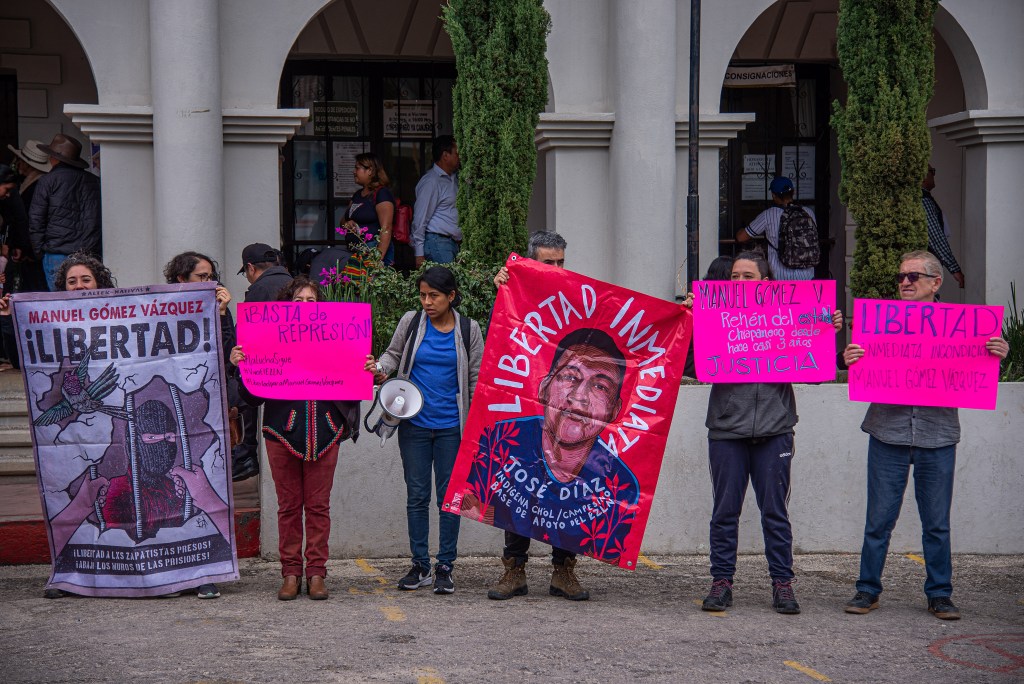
720	269
440	353
901	436
750	439
302	440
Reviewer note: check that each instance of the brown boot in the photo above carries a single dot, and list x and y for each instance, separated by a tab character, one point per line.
512	583
289	588
316	588
564	582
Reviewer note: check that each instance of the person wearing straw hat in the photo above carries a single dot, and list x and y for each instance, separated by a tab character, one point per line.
31	163
64	216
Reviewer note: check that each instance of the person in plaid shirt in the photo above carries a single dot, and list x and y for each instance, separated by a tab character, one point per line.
938	238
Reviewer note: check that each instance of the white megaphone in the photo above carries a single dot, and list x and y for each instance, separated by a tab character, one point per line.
399	399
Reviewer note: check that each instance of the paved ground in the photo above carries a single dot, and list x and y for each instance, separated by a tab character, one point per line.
644	626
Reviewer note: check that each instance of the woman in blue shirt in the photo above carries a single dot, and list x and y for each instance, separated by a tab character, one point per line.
372	210
439	351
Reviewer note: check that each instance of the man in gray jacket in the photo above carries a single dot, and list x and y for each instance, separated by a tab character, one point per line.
64	217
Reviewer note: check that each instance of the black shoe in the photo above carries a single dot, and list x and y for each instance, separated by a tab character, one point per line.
861	603
53	593
417	577
244	469
783	597
943	608
208	591
720	596
443	583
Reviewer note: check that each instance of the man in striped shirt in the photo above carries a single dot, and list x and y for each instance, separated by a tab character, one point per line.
938	234
767	224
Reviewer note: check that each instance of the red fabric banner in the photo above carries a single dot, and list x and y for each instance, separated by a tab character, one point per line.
572	409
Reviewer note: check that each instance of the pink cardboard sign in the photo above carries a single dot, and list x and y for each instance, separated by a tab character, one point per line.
764	330
925	353
306	350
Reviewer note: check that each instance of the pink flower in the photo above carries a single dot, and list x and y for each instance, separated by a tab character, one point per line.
346	279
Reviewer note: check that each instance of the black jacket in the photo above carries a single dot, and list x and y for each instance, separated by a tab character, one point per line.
306	428
745	410
268	285
65	212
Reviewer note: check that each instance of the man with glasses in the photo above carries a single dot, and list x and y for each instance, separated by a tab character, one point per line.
938	232
901	436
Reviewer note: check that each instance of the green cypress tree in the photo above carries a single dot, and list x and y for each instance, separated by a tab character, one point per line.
887	54
500	90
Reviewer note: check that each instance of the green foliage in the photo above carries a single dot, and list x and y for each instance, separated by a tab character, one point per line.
886	52
500	90
1012	367
390	294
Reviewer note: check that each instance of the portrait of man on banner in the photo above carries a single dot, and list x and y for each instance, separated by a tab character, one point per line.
567	429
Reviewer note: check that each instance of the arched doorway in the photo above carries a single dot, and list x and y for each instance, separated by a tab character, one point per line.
373	83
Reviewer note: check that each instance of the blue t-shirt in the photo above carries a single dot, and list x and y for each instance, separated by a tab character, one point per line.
435	371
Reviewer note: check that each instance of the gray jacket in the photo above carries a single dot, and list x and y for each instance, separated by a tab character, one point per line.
759	409
468	370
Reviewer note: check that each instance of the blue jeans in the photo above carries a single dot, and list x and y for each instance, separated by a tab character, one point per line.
888	471
50	264
423	449
439	248
765	463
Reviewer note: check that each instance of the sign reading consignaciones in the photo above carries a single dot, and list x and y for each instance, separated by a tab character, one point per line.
764	331
771	76
925	353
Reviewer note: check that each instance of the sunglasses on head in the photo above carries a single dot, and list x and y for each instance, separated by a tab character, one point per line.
913	276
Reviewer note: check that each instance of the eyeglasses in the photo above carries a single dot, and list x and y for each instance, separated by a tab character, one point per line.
913	276
204	277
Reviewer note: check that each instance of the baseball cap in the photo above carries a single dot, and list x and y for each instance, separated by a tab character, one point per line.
781	185
257	252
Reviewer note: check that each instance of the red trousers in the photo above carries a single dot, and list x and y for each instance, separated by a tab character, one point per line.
302	485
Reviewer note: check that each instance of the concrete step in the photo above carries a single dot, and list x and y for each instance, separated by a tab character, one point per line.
13	465
16	449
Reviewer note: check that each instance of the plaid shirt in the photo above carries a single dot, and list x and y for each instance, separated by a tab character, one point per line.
937	242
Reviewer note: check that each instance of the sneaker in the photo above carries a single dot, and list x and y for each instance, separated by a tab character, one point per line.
512	583
52	593
564	581
720	596
783	597
208	591
943	608
418	576
861	603
443	583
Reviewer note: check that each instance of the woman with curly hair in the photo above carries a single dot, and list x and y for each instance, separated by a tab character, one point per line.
83	271
303	465
372	209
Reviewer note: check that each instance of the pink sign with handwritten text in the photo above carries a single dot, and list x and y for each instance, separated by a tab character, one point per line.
306	350
925	353
764	331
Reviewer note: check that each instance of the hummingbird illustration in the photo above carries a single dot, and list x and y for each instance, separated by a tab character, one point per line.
78	397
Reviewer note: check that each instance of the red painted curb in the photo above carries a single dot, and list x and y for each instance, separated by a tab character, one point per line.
23	542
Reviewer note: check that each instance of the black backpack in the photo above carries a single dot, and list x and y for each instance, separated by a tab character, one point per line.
798	238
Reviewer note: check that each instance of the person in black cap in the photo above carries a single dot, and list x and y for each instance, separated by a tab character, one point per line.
267	277
65	213
770	224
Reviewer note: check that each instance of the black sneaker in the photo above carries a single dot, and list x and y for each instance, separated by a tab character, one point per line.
861	603
720	596
208	591
783	597
52	593
443	583
943	608
418	576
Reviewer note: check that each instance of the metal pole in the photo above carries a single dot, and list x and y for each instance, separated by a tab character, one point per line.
692	197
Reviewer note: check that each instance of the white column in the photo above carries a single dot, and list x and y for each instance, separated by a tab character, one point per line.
187	135
643	167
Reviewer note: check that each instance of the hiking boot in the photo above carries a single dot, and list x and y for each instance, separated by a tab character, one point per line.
943	608
512	583
418	576
720	596
564	581
783	597
861	603
443	583
208	591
